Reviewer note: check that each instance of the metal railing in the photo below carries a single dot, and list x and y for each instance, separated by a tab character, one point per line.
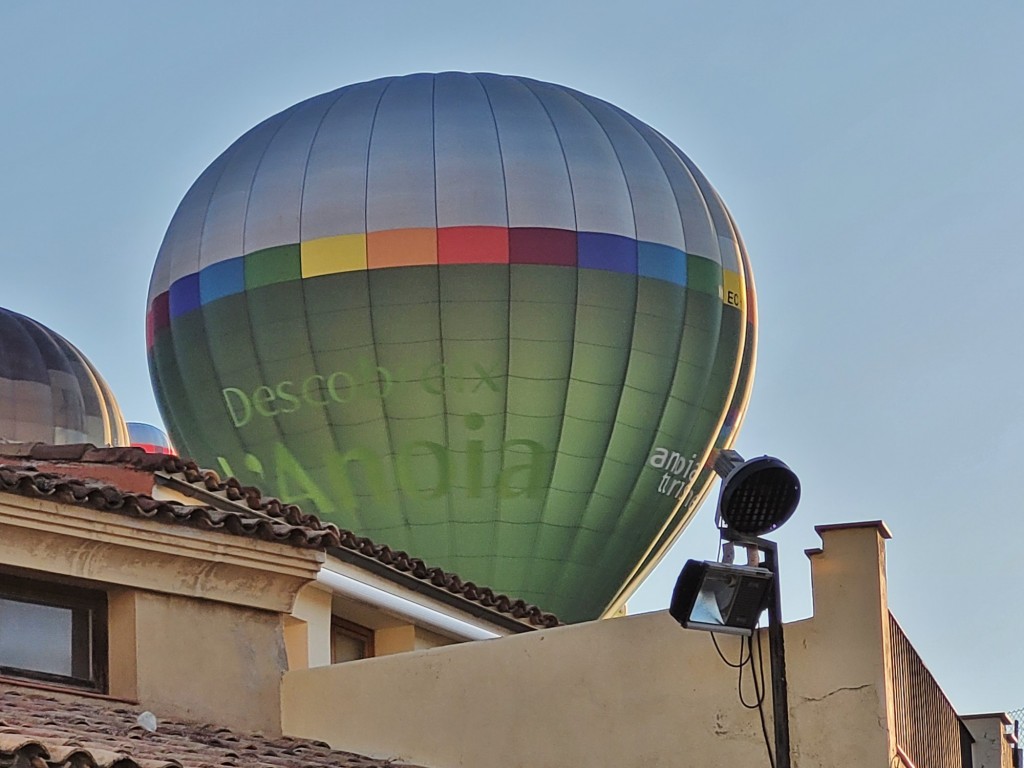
928	730
1017	715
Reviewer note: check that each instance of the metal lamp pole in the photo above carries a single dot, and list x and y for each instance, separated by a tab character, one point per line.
776	645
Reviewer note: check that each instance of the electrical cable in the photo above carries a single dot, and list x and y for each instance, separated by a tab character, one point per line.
758	695
738	665
760	660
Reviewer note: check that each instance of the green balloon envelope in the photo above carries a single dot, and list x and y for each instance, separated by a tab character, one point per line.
511	361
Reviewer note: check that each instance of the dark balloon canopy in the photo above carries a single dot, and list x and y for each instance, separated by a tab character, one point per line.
50	392
492	321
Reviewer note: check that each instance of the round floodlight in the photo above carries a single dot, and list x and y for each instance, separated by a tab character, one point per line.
758	496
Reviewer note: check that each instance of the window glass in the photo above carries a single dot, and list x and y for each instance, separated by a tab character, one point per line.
350	641
347	648
36	637
53	632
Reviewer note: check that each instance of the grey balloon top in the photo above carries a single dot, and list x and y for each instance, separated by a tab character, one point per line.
444	150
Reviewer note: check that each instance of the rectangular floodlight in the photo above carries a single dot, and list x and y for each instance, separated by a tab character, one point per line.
720	598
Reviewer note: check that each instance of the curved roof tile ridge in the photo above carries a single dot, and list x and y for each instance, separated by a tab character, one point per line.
32	483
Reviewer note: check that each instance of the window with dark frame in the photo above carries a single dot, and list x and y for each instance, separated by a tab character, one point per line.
349	641
53	633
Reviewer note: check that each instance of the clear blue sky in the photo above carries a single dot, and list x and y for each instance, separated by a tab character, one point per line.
870	152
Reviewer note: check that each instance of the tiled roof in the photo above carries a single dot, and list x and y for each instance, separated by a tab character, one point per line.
42	471
27	480
41	730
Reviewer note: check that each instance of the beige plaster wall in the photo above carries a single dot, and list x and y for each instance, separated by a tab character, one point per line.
632	691
392	640
622	692
840	692
195	618
308	629
64	540
198	660
992	747
426	639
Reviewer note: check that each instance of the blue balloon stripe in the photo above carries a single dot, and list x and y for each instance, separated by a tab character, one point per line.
614	253
184	295
225	278
662	262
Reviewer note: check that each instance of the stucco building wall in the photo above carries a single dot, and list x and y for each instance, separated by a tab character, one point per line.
195	620
199	660
993	742
617	692
637	690
204	626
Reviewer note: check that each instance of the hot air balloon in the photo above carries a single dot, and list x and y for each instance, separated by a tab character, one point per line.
149	438
492	321
50	392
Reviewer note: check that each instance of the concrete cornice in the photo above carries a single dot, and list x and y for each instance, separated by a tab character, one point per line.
1002	717
879	525
75	541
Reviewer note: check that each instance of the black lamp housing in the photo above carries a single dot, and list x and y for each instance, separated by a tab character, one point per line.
720	597
757	495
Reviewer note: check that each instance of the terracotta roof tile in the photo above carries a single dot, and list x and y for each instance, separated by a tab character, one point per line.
26	480
40	730
248	513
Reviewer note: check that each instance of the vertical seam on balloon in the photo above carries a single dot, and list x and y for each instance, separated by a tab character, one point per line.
158	379
635	125
23	323
636	303
750	330
740	262
628	123
245	290
329	427
440	320
679	346
736	387
7	382
369	294
176	373
706	189
742	390
114	426
199	254
508	315
111	408
497	141
572	349
12	374
702	481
